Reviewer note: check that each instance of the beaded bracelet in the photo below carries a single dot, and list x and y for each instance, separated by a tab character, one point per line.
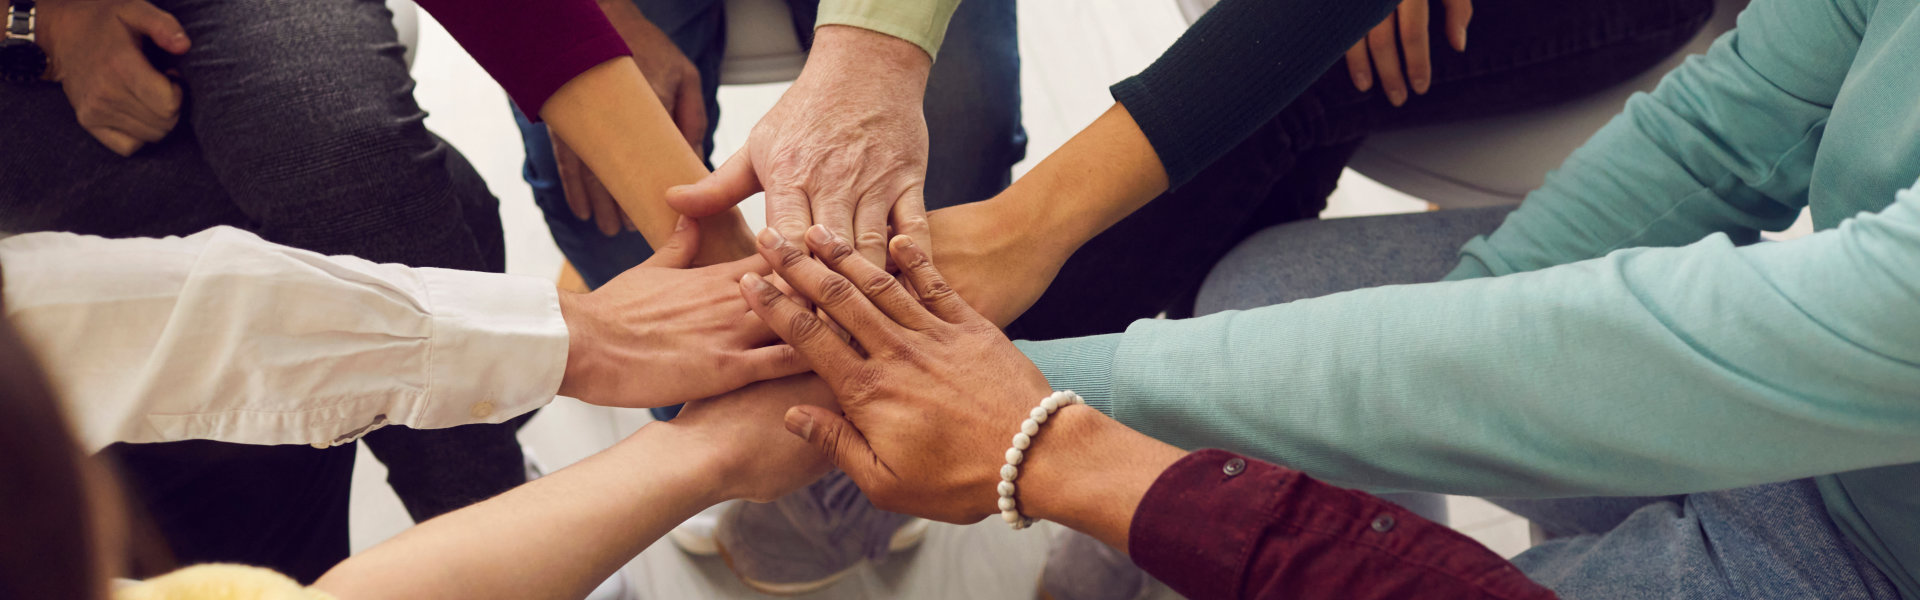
1030	428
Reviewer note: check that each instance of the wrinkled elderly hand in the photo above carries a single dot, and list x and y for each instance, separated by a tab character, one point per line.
846	146
674	80
933	392
93	50
1379	52
661	333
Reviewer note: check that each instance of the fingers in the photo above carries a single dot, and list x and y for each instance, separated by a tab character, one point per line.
934	292
690	112
569	167
680	247
789	211
842	443
870	230
910	219
733	182
117	141
771	362
826	352
1358	67
829	291
879	286
1414	44
1459	14
1386	60
157	25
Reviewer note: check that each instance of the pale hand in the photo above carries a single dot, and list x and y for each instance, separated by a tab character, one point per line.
1380	52
845	147
933	392
757	459
661	334
93	51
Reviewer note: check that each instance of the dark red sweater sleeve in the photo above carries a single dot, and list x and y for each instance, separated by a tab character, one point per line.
531	48
1217	525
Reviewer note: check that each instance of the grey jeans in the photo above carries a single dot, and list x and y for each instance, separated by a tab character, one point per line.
300	125
1766	541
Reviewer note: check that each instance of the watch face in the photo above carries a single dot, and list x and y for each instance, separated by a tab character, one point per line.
21	61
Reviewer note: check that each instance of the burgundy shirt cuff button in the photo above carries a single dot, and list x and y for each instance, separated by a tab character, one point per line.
1383	523
1235	466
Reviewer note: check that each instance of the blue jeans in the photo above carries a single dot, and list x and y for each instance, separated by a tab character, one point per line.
972	110
1764	541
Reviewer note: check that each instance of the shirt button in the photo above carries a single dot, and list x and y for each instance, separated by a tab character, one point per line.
482	410
1383	523
1235	466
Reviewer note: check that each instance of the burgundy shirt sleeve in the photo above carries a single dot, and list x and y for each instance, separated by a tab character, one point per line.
1217	525
530	48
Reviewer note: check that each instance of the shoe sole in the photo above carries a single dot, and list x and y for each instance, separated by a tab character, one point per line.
907	536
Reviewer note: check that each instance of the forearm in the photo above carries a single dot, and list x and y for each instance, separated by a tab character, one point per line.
1653	371
1089	472
1097	178
611	119
555	537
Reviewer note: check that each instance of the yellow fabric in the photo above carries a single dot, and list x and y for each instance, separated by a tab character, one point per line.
219	582
923	22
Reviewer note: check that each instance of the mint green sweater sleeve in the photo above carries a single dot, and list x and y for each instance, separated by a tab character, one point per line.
1648	371
923	22
1724	144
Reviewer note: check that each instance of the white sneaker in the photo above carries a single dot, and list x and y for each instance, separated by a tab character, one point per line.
695	536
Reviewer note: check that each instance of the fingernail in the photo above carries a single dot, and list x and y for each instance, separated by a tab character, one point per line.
771	239
798	423
681	224
752	281
818	234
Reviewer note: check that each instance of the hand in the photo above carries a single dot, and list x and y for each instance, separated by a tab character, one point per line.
846	146
93	50
661	334
754	457
934	399
1411	19
992	261
674	80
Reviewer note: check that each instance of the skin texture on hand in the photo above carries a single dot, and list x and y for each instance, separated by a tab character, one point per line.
1380	52
675	82
93	51
845	147
933	394
661	334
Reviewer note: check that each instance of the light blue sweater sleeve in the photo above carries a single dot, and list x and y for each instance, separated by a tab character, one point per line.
1724	144
1648	371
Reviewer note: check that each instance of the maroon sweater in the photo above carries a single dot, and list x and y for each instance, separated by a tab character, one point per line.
1217	525
530	48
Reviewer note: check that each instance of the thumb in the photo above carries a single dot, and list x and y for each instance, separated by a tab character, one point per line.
836	437
157	24
718	191
678	252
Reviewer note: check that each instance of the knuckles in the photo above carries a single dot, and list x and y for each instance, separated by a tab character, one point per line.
836	290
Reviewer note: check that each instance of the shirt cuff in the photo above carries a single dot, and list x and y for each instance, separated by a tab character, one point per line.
498	348
922	22
1084	365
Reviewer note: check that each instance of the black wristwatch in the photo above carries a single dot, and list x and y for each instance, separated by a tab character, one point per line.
21	60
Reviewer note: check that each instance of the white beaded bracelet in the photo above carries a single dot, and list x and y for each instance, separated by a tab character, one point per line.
1030	428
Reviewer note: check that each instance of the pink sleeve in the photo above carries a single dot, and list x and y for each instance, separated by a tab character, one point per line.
531	48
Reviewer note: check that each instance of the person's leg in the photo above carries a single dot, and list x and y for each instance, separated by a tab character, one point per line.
1521	55
279	507
304	110
1768	541
973	106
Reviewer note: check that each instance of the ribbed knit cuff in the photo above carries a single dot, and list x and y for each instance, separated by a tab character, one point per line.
1084	365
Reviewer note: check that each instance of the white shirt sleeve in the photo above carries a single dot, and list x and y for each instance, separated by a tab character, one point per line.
224	336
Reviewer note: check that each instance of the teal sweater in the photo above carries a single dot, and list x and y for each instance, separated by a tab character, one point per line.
1613	337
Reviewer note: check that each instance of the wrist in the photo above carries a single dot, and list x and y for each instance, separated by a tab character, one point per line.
867	57
1088	472
700	464
582	329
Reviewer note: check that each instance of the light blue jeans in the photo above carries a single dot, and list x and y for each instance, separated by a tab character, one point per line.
1765	541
